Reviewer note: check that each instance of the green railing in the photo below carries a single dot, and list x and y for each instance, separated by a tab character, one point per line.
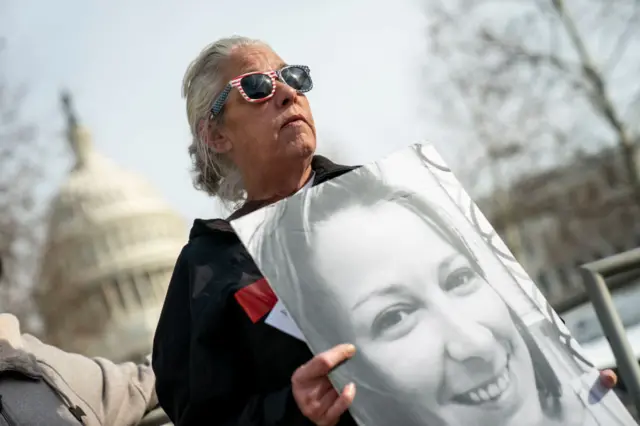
596	276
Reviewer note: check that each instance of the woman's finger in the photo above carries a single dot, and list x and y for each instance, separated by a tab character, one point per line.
342	404
311	404
608	378
321	390
315	406
325	402
322	364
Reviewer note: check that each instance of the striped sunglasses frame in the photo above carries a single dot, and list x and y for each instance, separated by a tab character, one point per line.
218	104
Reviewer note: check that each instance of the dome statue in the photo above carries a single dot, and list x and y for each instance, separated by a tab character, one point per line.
111	247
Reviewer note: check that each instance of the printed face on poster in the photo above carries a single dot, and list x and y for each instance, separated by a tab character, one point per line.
395	258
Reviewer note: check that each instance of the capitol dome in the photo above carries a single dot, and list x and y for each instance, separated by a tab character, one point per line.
111	247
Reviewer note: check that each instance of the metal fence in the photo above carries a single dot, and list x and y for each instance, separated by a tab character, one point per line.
595	277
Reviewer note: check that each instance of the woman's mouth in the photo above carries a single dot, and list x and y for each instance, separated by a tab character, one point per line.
293	120
488	391
293	123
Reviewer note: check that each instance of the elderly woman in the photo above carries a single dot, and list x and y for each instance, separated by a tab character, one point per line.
216	360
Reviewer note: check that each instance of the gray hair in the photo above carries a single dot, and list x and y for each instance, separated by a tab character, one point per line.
203	81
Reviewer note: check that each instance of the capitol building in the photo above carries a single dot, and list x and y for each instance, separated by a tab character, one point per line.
111	246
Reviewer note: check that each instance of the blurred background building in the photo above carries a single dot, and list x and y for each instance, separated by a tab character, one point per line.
565	217
110	248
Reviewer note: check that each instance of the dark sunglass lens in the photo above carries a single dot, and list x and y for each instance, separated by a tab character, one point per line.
297	77
256	86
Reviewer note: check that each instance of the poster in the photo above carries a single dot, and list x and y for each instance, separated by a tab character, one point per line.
395	258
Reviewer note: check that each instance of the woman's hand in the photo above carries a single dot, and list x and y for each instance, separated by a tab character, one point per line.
10	330
314	393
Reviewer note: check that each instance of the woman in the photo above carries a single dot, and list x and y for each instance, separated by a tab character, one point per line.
437	345
215	359
254	140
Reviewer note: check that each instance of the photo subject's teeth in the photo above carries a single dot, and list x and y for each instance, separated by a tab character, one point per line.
493	391
490	391
502	383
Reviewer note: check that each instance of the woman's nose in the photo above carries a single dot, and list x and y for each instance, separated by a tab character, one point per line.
285	94
470	341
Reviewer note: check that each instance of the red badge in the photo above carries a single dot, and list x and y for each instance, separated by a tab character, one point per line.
257	299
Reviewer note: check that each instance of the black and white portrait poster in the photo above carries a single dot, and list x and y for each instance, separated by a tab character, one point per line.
395	258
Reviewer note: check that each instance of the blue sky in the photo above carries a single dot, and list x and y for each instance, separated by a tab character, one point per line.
124	62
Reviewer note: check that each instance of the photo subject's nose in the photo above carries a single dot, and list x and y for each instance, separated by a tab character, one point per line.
470	341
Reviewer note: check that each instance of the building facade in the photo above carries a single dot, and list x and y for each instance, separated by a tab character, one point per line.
111	247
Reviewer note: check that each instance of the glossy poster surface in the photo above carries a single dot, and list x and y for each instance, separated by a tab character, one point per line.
395	258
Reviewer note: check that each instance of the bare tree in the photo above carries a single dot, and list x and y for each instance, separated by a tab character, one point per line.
537	84
20	166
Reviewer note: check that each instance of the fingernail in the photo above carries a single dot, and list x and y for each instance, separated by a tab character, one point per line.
350	349
350	390
609	378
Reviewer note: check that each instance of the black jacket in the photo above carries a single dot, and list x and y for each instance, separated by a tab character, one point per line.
213	363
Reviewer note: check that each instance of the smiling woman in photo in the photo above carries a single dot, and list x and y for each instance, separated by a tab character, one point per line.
437	345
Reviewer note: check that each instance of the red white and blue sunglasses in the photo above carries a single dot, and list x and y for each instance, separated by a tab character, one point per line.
260	86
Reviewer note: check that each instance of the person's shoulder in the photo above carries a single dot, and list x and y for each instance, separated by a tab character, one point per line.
213	256
209	237
325	169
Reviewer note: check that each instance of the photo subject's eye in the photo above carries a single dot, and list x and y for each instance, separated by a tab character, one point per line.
393	321
461	280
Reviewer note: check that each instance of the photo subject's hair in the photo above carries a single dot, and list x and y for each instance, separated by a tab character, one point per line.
282	247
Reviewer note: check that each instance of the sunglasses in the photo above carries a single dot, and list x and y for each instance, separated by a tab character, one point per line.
260	86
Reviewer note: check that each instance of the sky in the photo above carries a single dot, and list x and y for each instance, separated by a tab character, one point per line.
123	62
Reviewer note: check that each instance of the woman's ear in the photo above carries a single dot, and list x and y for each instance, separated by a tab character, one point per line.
214	137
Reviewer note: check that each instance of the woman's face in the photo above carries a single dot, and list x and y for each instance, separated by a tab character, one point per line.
256	135
421	315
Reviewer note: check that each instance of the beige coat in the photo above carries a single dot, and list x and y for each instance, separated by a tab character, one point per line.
43	385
